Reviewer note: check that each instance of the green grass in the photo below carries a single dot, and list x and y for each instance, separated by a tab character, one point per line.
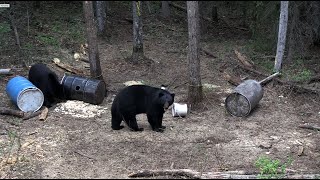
303	75
271	169
48	40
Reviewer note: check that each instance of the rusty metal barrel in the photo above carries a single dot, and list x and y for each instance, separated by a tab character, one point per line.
246	96
85	89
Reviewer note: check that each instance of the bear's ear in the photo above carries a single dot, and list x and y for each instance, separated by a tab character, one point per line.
172	94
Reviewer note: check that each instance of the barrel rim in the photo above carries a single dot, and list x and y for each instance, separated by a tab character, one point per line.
247	113
30	89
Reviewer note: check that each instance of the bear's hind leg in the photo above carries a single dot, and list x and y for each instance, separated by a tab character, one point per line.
132	122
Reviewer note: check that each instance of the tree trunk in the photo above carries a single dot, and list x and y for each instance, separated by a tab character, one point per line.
165	10
281	35
101	16
195	88
91	29
137	31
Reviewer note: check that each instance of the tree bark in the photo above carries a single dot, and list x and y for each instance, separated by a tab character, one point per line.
91	29
195	88
281	35
137	31
101	16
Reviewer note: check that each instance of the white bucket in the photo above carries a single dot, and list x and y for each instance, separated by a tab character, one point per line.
179	110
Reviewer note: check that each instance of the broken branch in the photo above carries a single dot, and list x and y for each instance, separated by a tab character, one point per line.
67	67
43	115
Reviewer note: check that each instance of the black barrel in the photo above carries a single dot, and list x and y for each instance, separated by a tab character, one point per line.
84	89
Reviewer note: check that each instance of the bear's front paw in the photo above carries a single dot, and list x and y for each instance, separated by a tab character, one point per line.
158	130
117	127
162	127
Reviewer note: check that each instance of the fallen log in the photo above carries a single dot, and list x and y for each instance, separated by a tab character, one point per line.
214	175
243	59
234	80
7	111
18	113
6	71
67	67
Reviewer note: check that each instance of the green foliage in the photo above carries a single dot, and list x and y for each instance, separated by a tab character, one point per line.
271	168
297	71
304	75
4	27
28	46
47	40
263	24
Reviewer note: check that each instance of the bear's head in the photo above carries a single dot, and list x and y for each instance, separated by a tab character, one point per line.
166	99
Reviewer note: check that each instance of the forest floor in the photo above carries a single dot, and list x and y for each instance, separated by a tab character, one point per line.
206	140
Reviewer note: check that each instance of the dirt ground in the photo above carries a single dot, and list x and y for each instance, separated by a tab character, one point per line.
206	140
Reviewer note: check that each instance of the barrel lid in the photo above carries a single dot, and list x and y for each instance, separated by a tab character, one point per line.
238	105
30	100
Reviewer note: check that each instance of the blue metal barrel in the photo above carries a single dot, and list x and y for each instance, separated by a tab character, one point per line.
24	94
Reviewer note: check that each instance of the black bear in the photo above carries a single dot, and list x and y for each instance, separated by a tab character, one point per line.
137	99
47	81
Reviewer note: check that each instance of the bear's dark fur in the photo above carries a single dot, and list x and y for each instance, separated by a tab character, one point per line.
47	81
137	99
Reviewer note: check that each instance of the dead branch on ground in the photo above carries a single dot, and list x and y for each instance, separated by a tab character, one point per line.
18	113
243	59
208	52
67	67
212	175
314	79
234	80
7	111
308	126
30	115
6	71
